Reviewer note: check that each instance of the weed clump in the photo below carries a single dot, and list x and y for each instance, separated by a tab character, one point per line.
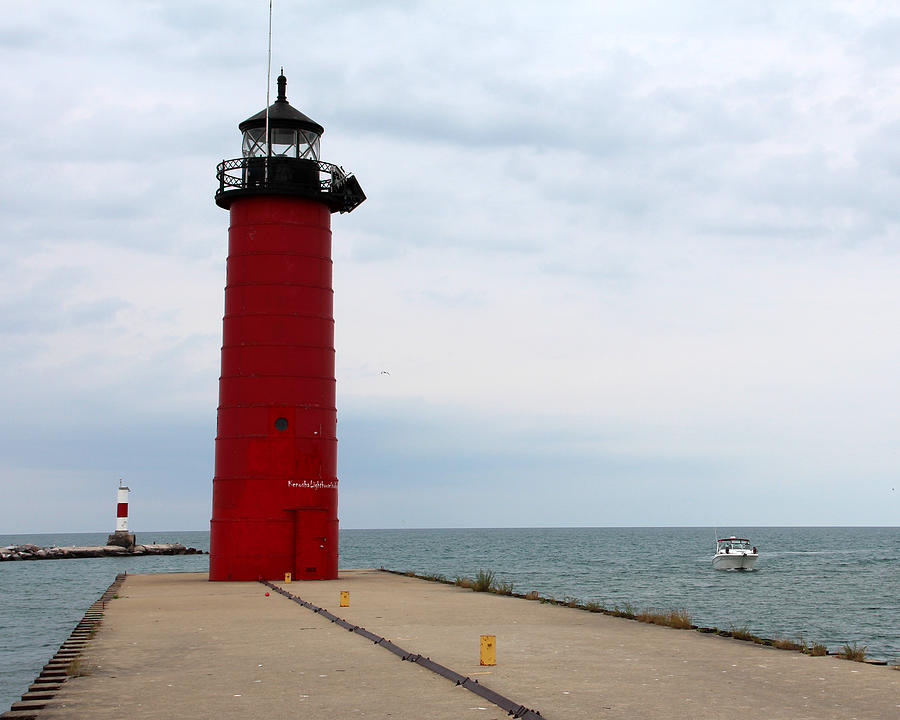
787	644
680	618
625	612
853	652
742	633
818	650
484	581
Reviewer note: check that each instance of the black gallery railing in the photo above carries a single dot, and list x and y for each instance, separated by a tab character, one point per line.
315	179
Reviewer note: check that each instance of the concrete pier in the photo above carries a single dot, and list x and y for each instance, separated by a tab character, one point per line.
177	645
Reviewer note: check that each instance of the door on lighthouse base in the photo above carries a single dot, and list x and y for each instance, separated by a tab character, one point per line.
309	549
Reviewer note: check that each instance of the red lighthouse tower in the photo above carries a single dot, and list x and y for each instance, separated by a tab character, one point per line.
275	485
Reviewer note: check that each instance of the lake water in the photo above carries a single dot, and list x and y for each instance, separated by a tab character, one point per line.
832	585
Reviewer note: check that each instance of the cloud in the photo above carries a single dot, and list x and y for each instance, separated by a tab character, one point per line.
617	254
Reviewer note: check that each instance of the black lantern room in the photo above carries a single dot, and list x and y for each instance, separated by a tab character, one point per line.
285	160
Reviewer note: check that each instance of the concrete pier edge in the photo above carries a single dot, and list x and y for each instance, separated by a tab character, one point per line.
571	603
57	669
221	640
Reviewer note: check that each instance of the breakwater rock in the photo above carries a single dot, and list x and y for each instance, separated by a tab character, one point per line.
34	552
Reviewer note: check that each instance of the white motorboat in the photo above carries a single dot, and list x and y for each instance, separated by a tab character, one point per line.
734	553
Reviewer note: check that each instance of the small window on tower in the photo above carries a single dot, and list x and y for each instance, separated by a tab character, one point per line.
281	424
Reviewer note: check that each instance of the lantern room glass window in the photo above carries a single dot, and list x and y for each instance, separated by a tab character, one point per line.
307	145
254	144
285	143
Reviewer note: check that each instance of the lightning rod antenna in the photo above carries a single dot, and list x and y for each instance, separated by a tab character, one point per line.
268	83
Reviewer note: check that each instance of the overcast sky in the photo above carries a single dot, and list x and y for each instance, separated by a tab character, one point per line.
625	266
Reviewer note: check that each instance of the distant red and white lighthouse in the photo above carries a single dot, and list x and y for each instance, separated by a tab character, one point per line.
121	536
122	508
275	488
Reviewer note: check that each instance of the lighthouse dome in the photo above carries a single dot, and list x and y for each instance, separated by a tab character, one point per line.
291	133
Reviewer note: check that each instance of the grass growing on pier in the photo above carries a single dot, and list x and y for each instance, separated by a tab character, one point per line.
818	650
626	612
679	618
742	633
484	581
788	644
854	652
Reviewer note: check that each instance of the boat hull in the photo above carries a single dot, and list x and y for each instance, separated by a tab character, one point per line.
734	561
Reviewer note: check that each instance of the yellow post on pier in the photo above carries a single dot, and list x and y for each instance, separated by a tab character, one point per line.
488	649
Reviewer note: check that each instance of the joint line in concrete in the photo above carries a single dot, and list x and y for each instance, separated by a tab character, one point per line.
512	708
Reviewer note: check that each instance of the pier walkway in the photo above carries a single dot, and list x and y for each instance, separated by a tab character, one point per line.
177	645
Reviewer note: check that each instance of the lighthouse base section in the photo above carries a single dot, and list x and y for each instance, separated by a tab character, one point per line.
122	538
303	543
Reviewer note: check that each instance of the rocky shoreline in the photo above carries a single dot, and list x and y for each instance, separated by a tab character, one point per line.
34	552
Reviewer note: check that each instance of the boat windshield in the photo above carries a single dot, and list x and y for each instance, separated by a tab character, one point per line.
734	544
